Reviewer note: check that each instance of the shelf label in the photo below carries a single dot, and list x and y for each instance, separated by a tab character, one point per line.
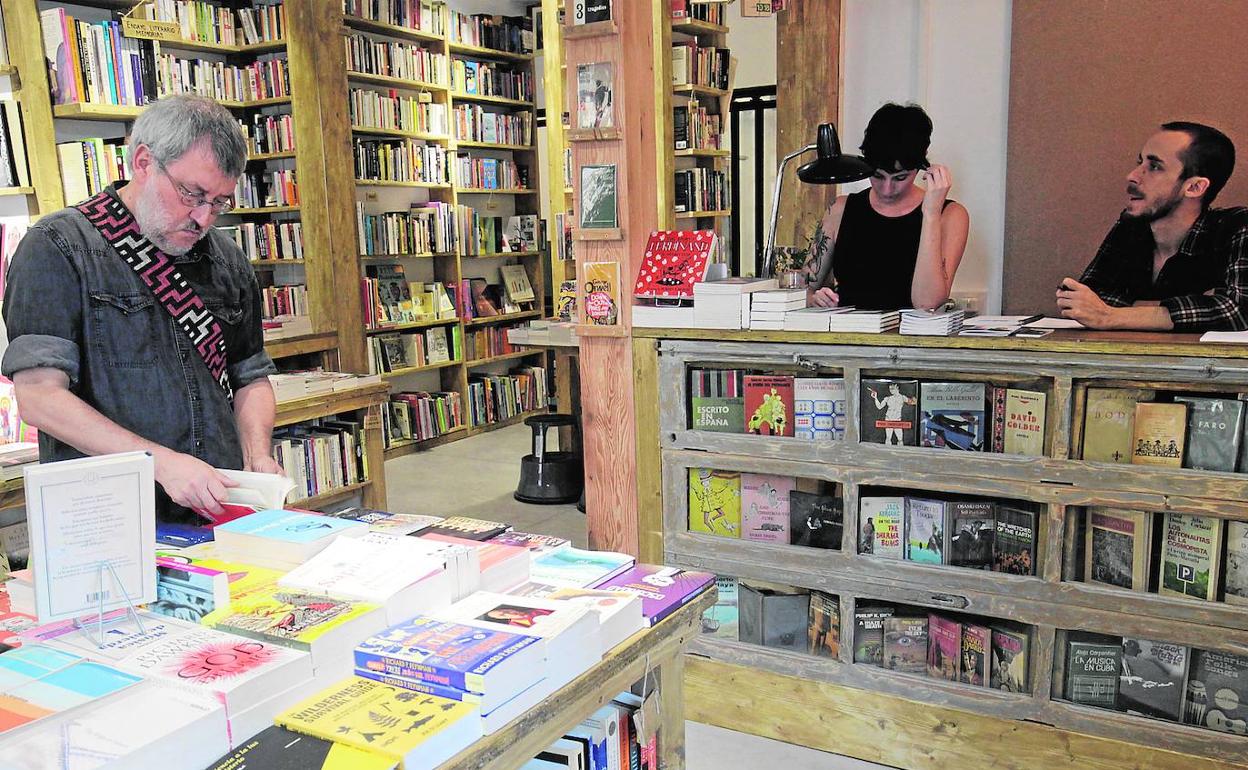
149	29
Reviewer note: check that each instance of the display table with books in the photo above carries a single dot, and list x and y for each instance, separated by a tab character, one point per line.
1044	541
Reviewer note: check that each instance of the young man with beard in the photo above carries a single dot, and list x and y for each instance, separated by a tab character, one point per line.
1170	262
135	326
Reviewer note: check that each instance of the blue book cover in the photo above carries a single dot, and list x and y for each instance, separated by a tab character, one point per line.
181	535
578	568
952	415
440	652
289	526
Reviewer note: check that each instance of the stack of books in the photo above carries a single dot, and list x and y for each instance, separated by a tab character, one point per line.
864	321
769	308
726	304
932	323
811	319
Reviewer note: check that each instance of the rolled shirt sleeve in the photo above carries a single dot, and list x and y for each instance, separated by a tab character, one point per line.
42	309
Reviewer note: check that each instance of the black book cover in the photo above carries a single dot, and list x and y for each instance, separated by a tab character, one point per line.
1152	678
889	412
1014	546
276	748
1092	673
972	528
680	127
815	521
597	10
869	634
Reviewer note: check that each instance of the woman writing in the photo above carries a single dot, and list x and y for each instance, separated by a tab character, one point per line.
895	245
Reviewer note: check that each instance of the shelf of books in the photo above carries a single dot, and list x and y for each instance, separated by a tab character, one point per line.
560	199
702	70
441	111
1021	535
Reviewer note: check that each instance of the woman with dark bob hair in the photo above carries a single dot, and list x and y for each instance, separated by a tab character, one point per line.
895	245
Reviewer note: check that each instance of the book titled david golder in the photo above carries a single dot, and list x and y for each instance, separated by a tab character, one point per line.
663	590
440	652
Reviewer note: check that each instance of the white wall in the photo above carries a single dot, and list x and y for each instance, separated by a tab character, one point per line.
953	59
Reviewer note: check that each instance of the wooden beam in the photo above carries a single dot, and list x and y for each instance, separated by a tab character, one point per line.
898	732
808	71
21	29
649	461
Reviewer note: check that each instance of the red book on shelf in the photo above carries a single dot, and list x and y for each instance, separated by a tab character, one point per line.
673	262
769	405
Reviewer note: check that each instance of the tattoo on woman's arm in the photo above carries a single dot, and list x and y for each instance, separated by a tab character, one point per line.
820	246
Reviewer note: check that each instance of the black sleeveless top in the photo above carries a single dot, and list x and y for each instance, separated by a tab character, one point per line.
874	256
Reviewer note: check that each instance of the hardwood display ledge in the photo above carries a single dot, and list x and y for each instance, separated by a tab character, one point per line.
1060	341
336	402
658	649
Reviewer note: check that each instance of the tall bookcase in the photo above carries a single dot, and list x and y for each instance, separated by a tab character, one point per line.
752	687
559	184
439	38
306	36
708	151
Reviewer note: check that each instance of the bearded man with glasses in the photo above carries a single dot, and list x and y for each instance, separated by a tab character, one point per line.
134	325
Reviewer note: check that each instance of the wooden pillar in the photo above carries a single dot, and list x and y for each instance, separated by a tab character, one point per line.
21	28
808	91
606	356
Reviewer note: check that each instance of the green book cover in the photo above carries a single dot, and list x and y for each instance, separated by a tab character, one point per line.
721	415
715	502
1189	556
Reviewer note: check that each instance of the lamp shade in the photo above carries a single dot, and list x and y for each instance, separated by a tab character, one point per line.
831	167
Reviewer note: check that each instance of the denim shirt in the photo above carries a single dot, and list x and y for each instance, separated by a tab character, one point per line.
72	303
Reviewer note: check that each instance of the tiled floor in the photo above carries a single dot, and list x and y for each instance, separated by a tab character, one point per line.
476	477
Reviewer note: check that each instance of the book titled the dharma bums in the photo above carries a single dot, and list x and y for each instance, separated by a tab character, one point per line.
883	523
1117	546
1214	429
414	729
1109	423
1160	430
1189	556
276	748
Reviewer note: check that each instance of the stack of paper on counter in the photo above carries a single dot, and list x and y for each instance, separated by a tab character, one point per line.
932	323
150	725
282	539
811	319
246	675
571	631
865	321
397	572
38	682
501	566
418	731
578	568
498	672
662	590
276	748
327	629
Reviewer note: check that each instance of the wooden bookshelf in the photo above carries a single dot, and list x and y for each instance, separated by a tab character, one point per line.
495	146
333	496
503	254
393	82
7	191
462	97
703	154
477	362
396	183
91	111
400	133
336	402
500	319
393	257
724	677
697	90
391	30
490	53
277	262
698	27
419	369
298	345
703	214
489	191
267	156
412	325
406	447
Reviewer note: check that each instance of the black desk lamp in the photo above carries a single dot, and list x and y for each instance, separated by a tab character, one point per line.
830	167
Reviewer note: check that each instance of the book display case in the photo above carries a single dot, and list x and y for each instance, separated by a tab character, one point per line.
457	96
1056	605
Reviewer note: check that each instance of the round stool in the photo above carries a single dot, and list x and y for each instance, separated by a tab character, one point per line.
546	477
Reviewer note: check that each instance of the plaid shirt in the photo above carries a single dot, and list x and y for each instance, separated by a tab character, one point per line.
1204	285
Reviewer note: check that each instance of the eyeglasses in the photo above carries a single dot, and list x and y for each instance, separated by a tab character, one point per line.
194	200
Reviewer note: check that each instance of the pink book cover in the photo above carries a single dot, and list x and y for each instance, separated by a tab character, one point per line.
488	554
944	647
765	507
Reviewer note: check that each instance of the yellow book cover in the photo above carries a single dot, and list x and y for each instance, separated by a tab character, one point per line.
715	502
424	305
601	282
289	618
1160	430
417	729
246	580
1109	423
1024	422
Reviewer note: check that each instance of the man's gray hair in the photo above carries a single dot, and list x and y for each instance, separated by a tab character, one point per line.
170	127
